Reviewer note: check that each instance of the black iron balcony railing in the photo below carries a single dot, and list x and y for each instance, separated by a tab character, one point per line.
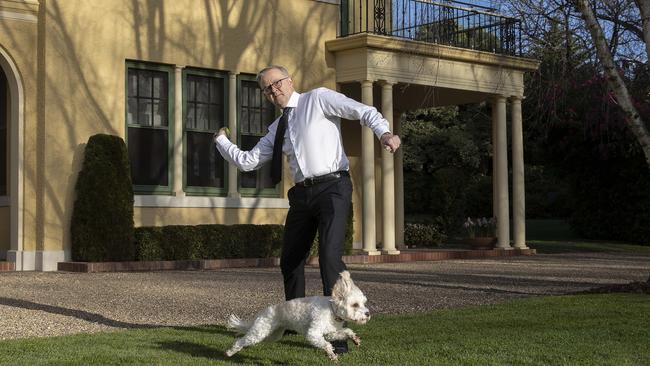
451	23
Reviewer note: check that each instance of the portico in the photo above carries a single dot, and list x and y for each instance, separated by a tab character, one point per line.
413	74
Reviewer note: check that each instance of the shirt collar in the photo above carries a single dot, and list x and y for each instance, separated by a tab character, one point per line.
293	100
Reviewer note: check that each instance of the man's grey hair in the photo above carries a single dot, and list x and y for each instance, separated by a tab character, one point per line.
271	67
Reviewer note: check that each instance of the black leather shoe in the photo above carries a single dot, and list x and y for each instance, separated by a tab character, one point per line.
340	347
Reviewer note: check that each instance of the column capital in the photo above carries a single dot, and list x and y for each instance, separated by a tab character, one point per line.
366	82
516	98
179	67
499	98
233	73
386	83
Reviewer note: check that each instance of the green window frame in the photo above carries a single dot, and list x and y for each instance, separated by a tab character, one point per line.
205	111
150	126
255	113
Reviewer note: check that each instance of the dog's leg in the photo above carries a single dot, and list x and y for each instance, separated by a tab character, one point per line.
276	335
260	329
315	337
350	334
343	335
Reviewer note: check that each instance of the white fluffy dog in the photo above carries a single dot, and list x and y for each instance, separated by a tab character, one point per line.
320	318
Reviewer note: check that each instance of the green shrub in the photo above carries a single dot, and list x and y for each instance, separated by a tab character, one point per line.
102	218
178	242
148	243
424	235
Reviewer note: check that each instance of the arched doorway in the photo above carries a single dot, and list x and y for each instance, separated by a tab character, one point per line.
5	222
11	156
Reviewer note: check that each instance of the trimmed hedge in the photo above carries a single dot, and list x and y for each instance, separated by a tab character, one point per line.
425	235
178	242
185	242
102	217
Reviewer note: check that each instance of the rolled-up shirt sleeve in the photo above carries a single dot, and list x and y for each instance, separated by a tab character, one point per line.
337	104
247	160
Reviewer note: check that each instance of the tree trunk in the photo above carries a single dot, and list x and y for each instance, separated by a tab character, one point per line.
614	80
644	8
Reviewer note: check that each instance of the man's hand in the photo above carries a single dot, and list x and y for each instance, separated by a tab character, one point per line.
390	142
223	131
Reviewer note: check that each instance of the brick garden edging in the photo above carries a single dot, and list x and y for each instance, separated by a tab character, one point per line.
207	264
7	266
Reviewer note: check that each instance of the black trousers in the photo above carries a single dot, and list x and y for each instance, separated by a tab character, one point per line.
322	208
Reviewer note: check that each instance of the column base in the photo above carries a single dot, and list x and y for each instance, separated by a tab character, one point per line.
521	247
391	252
371	252
505	248
234	195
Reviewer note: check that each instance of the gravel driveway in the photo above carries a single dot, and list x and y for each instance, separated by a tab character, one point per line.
37	304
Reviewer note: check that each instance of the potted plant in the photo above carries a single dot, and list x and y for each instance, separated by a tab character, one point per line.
481	232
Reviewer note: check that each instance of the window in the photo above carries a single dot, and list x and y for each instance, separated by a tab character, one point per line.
256	113
204	114
148	112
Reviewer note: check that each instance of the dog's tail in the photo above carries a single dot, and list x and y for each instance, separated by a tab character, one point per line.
236	323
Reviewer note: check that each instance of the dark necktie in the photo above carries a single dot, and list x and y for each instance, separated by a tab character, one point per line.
276	162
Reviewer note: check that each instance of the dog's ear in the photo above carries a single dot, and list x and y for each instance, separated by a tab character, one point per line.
342	286
345	275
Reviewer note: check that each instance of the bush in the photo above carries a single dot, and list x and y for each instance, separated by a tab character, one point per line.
426	235
102	217
208	242
178	242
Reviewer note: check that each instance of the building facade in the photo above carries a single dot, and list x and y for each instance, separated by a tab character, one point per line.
164	75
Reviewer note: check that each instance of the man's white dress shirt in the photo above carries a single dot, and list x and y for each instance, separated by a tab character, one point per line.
312	141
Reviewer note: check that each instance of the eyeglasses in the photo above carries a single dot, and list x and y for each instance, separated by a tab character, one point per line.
274	85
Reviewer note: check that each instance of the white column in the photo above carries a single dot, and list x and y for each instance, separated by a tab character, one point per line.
388	176
178	132
399	186
518	191
368	173
232	125
503	218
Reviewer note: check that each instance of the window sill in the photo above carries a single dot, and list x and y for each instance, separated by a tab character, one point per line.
209	202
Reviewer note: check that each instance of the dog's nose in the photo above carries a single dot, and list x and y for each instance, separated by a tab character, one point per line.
367	314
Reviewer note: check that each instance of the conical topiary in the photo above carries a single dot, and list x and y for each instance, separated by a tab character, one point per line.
102	220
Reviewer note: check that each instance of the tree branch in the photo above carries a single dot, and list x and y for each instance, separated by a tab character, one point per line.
614	80
644	8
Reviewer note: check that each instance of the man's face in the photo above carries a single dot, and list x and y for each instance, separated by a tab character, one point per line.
277	87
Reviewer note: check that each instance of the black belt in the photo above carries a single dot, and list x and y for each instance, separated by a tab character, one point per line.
308	182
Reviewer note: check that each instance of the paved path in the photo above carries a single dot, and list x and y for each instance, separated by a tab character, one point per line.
48	304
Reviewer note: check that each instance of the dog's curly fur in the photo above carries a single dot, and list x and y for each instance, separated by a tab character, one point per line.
320	318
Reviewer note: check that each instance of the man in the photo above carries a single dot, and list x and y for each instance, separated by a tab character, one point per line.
309	133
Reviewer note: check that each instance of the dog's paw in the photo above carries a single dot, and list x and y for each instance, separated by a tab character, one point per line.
230	352
333	356
356	340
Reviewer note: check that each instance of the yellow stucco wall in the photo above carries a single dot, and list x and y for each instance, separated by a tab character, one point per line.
86	44
19	42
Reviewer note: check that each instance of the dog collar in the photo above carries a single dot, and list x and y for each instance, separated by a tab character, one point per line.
336	317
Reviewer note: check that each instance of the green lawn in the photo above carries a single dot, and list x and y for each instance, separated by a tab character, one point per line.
611	329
